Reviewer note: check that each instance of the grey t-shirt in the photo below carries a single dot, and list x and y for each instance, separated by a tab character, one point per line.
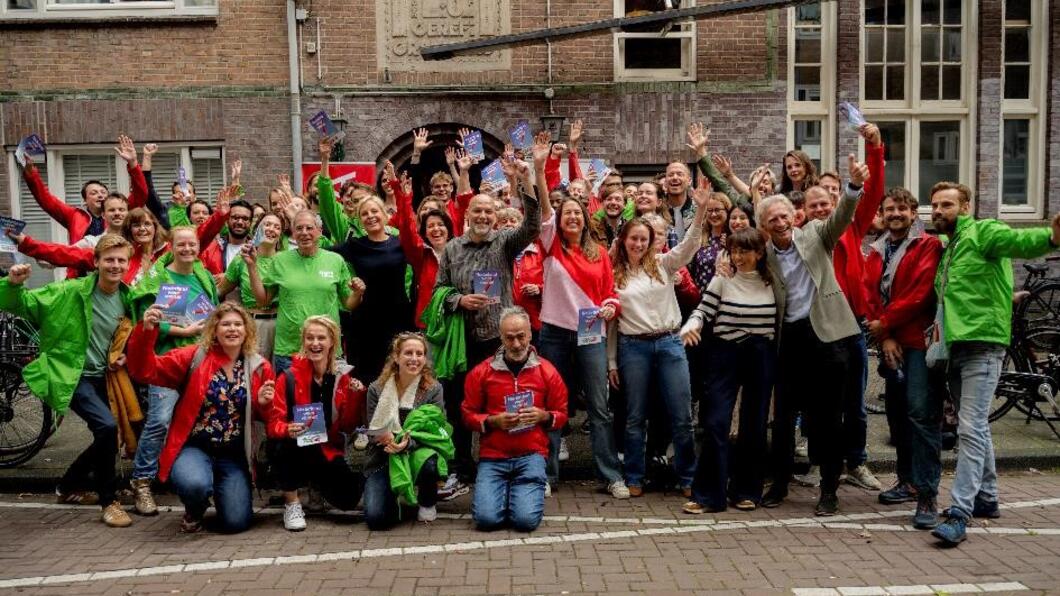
107	310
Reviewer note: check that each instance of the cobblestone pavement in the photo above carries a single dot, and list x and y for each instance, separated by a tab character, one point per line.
588	543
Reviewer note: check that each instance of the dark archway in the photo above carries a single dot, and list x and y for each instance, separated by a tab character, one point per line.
443	134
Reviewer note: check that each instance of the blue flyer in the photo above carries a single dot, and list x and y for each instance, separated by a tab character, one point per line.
199	309
590	326
852	114
494	174
473	145
182	180
16	226
312	416
322	123
487	283
173	300
515	402
521	136
601	170
30	145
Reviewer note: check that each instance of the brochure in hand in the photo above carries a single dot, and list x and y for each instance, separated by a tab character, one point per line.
601	170
312	416
473	145
200	309
323	124
182	180
30	145
494	174
590	326
487	283
852	114
521	136
173	300
515	402
16	226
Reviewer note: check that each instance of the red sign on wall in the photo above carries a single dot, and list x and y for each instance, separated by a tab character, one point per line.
363	172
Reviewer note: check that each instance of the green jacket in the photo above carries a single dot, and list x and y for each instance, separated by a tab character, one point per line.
722	185
445	331
62	312
143	296
976	292
178	216
338	226
430	435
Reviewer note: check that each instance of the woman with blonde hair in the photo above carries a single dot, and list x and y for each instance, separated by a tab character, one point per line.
406	383
316	377
225	384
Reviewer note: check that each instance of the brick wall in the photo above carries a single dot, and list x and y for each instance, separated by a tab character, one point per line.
1052	108
988	119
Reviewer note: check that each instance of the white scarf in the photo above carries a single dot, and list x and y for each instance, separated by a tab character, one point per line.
387	414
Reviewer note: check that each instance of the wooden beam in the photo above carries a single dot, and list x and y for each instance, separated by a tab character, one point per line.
447	51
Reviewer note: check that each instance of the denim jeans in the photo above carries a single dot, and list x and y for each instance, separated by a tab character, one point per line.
160	404
509	491
975	368
381	509
750	365
298	467
914	414
198	475
855	420
661	362
90	403
560	347
280	363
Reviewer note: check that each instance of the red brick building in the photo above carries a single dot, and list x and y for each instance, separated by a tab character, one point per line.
965	90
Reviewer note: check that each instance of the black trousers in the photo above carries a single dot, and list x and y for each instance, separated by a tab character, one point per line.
298	467
463	464
90	403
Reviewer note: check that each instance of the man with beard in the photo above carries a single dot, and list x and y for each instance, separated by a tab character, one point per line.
974	286
226	249
606	222
899	277
682	209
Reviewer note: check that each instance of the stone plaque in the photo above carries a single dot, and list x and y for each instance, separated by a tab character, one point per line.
404	26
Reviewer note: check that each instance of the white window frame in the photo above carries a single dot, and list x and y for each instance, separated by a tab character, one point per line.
913	111
822	110
687	72
1027	109
57	177
49	10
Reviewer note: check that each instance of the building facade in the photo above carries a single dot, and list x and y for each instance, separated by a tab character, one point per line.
966	90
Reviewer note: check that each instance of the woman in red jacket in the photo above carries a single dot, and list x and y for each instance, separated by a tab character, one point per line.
209	449
316	377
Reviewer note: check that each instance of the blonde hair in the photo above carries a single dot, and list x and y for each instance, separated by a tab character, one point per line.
110	242
427	378
209	332
189	229
378	202
333	333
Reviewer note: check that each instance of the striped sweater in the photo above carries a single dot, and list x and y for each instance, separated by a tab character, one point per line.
738	307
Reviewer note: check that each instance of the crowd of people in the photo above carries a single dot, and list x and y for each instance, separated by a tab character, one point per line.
412	315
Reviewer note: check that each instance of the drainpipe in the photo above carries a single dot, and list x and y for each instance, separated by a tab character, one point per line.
296	97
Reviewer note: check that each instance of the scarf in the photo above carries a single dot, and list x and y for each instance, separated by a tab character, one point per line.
387	412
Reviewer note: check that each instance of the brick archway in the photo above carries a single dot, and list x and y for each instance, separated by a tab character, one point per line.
443	134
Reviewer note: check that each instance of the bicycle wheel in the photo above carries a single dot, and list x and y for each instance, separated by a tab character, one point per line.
1004	397
1041	355
1042	306
25	421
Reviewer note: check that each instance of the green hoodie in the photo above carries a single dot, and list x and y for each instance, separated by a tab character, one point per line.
429	435
62	312
143	296
977	292
445	331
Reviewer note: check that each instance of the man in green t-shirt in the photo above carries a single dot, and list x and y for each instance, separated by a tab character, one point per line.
308	281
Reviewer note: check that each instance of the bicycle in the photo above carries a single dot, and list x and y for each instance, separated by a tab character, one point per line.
26	422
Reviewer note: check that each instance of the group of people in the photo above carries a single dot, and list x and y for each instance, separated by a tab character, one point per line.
414	314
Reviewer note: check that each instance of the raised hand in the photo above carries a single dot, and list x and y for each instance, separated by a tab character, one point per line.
462	133
463	160
224	198
126	149
18	274
249	254
450	155
702	194
406	183
722	163
558	150
698	136
858	172
420	142
150	149
576	129
388	171
285	184
871	133
541	149
236	171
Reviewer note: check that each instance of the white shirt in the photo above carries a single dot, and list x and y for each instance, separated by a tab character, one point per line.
801	289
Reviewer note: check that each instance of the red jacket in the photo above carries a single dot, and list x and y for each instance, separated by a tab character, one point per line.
75	219
172	370
347	405
553	176
528	268
911	309
484	390
847	258
210	251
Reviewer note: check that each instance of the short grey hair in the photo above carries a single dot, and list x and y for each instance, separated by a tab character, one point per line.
316	218
514	311
768	202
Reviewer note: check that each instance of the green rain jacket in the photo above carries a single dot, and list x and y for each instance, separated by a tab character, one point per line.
976	291
445	332
62	312
429	435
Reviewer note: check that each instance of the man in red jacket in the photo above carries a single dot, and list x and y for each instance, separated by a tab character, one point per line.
849	272
899	279
513	398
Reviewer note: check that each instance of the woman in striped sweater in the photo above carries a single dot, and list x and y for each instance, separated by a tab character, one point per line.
742	352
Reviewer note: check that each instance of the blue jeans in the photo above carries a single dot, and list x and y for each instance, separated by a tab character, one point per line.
197	476
160	404
855	420
643	363
280	363
914	413
975	368
509	491
589	363
381	508
90	403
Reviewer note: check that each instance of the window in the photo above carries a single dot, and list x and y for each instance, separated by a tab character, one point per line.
13	10
658	51
918	85
1022	125
811	81
67	168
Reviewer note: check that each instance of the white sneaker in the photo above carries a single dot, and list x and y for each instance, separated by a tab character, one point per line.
618	490
293	517
802	447
812	477
427	514
564	451
452	489
862	477
548	491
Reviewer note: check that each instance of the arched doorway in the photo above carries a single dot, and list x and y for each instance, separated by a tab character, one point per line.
442	135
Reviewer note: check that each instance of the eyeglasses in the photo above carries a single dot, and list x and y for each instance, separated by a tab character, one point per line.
715	211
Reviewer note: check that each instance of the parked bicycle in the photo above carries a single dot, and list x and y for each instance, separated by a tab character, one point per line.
25	421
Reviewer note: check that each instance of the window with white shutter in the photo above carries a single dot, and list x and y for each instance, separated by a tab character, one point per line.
38	226
78	169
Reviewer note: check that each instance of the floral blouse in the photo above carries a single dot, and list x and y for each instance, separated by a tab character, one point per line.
221	417
702	265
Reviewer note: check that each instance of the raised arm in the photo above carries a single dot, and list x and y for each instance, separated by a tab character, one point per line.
843	215
681	254
542	153
137	184
154	204
698	139
870	203
169	370
515	242
60	255
405	219
573	167
335	221
55	207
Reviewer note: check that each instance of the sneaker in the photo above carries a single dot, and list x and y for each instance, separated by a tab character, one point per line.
618	490
115	517
811	479
192	525
564	452
862	477
548	490
145	501
360	442
745	505
802	447
77	497
985	509
452	488
926	517
827	505
693	508
773	498
427	514
293	517
952	531
635	491
901	492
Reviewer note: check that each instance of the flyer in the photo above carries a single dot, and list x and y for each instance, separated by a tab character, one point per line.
852	114
601	170
521	136
312	416
590	326
182	180
200	309
30	145
515	402
487	283
322	123
173	300
16	226
494	174
473	145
